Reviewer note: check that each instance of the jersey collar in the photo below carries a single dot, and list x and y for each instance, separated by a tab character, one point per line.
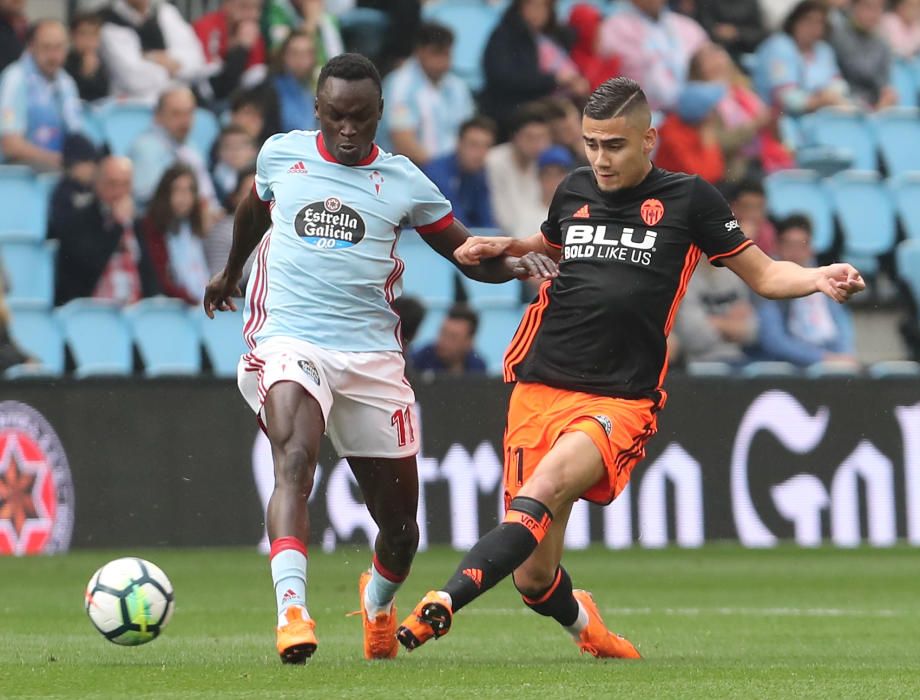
326	155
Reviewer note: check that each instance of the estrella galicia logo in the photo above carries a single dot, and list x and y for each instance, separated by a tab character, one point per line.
606	424
310	370
329	224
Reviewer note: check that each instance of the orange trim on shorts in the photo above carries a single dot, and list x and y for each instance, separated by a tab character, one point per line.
549	592
538	528
690	261
527	330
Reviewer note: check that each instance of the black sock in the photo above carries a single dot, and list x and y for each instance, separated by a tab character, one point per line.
556	601
500	551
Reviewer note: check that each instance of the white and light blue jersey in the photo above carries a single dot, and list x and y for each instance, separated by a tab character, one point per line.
327	272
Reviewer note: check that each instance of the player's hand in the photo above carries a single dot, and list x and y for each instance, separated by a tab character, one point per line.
218	295
533	266
840	281
476	248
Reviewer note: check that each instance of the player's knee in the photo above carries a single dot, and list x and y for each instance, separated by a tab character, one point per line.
549	489
532	581
296	469
401	536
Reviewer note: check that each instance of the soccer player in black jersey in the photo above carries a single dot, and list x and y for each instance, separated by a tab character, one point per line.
590	355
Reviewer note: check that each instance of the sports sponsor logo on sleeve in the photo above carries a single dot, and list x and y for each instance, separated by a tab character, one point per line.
732	225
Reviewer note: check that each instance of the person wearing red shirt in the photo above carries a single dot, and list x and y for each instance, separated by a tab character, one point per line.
230	37
689	140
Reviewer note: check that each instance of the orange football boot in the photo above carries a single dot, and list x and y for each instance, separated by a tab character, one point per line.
296	639
596	639
431	618
379	633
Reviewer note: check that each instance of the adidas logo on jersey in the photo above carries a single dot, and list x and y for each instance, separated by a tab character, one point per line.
582	213
298	168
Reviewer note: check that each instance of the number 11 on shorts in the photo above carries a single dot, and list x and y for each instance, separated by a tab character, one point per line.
402	421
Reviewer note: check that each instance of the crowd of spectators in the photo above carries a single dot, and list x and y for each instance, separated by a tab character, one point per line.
160	221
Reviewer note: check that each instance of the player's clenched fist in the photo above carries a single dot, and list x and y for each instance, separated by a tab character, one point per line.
218	295
840	281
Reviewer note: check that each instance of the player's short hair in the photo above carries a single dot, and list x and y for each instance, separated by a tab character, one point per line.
463	312
793	221
479	122
351	67
434	35
805	7
526	114
617	97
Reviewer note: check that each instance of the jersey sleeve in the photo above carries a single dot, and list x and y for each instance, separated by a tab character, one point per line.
430	212
713	226
550	228
263	177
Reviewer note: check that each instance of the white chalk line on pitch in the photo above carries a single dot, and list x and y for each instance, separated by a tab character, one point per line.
728	611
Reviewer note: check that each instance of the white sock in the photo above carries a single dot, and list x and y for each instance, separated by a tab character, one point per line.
378	596
580	623
447	599
289	574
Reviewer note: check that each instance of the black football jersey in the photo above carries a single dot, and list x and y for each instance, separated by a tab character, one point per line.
601	326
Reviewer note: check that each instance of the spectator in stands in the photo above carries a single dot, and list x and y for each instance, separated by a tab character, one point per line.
565	126
233	45
552	166
585	20
220	237
425	103
292	79
10	353
75	188
234	152
461	176
39	101
864	57
256	111
146	46
174	229
13	29
100	254
524	60
716	320
901	28
84	62
736	25
689	140
511	168
747	129
654	46
748	201
411	313
281	17
796	69
164	143
807	330
453	352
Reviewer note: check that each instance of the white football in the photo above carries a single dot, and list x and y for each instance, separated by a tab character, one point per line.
129	601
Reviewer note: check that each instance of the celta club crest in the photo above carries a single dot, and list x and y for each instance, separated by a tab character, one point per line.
377	179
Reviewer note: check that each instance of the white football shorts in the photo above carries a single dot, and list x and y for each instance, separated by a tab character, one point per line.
367	403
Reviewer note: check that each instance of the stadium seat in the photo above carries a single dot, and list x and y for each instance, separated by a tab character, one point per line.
427	275
205	130
843	130
894	369
905	192
769	369
472	22
564	8
98	336
790	130
23	203
122	123
165	336
482	295
29	269
92	126
496	327
820	370
866	214
709	369
903	80
897	132
907	259
222	338
800	192
39	334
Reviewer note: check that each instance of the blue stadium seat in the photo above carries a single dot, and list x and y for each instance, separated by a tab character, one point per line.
894	369
38	333
907	259
768	368
428	330
496	328
482	295
427	275
843	130
897	132
866	214
800	192
790	130
472	22
821	370
905	191
205	130
23	204
904	81
92	125
98	336
222	338
123	122
29	268
165	336
710	369
564	8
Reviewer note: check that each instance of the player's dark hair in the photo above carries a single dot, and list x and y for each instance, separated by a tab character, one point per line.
434	35
793	221
526	114
617	97
479	122
351	67
806	7
462	312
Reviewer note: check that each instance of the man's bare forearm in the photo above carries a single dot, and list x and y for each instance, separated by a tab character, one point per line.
250	223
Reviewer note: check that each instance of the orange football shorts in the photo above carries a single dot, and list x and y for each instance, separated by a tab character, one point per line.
538	415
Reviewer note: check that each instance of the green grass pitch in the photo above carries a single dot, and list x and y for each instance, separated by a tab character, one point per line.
719	622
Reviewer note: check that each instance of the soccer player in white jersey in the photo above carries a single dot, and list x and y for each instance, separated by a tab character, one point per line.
325	353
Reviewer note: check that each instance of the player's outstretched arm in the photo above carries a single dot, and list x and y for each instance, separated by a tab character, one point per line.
476	248
250	223
775	279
